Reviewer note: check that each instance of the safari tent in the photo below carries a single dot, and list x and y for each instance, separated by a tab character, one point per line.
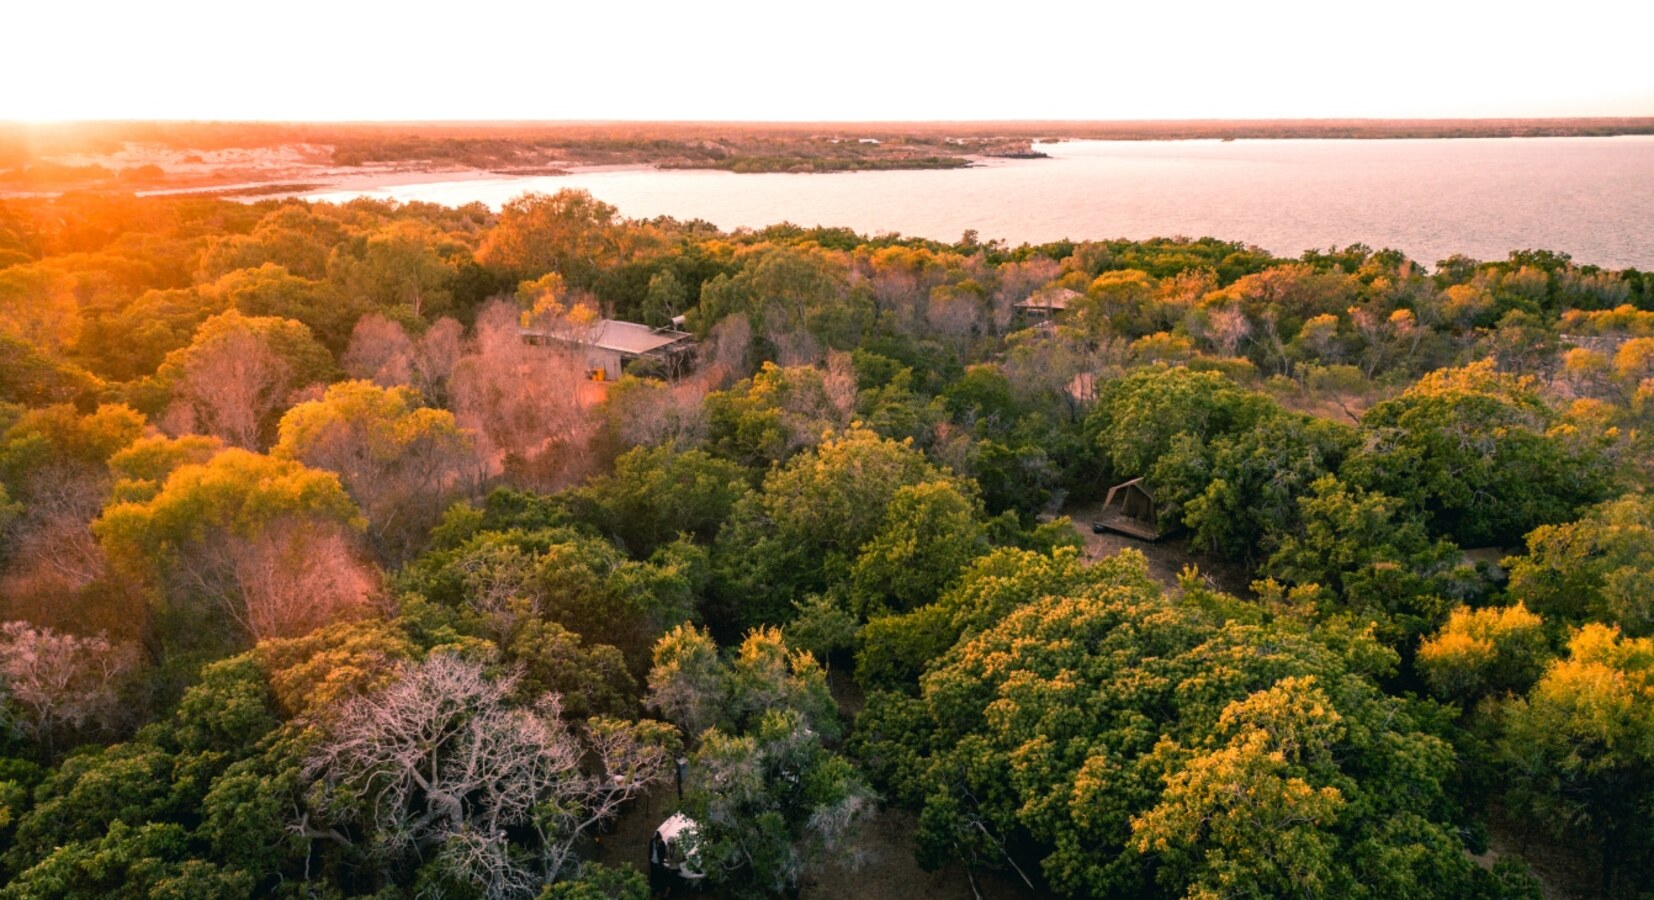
1129	509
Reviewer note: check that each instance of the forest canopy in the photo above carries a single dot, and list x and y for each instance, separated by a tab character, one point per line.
334	564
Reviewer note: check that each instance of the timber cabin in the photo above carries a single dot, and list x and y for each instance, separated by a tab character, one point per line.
611	347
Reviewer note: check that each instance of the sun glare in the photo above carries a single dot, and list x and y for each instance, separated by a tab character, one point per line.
858	60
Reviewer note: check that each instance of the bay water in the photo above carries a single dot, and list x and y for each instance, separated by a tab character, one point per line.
1592	197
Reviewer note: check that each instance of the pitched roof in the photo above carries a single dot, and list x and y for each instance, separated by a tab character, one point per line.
621	337
631	337
1050	298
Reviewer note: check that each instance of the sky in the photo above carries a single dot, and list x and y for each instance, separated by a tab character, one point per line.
845	60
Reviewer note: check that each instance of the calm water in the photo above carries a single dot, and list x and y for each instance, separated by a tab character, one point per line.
1590	197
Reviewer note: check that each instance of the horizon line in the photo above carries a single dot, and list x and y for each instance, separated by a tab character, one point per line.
1621	119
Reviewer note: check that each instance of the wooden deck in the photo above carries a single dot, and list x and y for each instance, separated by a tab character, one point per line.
1128	526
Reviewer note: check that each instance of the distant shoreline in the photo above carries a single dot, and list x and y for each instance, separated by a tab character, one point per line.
254	159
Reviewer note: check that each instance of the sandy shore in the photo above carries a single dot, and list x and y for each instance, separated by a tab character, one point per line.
296	182
287	170
292	170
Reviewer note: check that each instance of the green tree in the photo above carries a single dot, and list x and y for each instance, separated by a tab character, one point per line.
778	412
1372	555
569	233
896	649
1482	651
797	298
1101	741
131	340
154	860
658	493
1253	812
767	796
505	579
58	437
33	378
1241	495
38	307
402	462
271	291
804	530
404	268
666	297
1470	448
931	531
1577	750
294	235
1599	568
143	466
244	541
1137	417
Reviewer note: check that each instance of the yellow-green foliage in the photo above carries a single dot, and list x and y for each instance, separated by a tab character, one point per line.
1485	650
237	492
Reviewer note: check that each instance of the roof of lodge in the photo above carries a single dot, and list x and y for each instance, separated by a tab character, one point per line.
1049	298
621	337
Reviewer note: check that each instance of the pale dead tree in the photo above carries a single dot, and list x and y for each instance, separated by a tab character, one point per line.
653	414
726	356
1375	333
380	351
954	314
441	765
53	538
1056	364
229	388
1407	333
285	579
293	578
61	683
952	446
812	401
793	346
435	354
840	386
528	405
896	288
1177	299
1017	282
1226	327
901	286
1267	338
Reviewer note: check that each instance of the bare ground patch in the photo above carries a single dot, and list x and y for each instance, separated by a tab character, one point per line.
1167	557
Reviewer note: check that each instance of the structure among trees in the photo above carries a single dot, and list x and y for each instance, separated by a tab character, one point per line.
1129	509
1045	303
612	346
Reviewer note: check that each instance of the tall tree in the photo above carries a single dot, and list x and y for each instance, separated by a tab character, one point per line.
265	544
402	463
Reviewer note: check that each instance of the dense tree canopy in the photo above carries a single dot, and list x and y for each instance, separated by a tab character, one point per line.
1127	744
319	577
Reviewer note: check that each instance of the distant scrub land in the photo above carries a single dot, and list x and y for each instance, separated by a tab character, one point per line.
52	158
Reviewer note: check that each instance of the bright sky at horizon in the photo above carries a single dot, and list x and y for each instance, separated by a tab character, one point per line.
852	60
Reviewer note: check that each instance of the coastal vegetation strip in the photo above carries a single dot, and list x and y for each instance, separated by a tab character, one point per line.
55	157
